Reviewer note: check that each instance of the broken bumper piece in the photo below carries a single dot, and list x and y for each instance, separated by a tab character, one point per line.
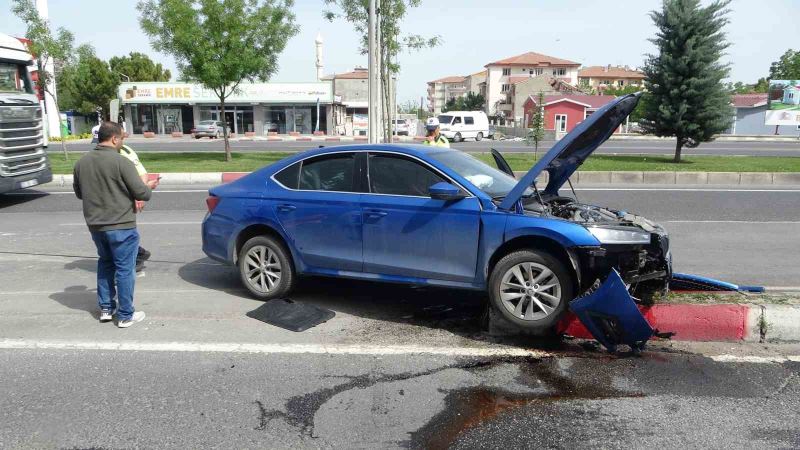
686	282
611	315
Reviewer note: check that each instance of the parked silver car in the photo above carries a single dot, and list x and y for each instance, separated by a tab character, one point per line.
210	129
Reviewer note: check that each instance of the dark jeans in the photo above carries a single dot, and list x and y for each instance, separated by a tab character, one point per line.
115	269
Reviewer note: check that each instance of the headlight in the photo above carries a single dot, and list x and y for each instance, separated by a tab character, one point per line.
617	236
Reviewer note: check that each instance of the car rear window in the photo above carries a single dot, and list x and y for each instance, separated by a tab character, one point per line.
207	122
289	176
328	173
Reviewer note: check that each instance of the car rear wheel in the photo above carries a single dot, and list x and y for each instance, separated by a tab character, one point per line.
457	137
531	289
478	136
216	136
266	268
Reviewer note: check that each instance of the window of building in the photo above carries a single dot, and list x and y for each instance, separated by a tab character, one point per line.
620	82
561	123
506	72
395	175
559	72
328	173
506	88
469	120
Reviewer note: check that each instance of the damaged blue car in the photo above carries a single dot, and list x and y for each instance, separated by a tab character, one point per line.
425	215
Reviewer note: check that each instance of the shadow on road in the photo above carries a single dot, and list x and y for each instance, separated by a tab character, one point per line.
89	265
461	312
79	298
20	197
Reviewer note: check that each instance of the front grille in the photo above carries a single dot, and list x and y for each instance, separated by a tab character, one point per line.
21	149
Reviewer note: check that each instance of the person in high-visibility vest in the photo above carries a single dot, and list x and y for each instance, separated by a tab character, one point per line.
142	255
434	136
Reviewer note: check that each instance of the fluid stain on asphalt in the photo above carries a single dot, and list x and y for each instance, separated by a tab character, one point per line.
471	407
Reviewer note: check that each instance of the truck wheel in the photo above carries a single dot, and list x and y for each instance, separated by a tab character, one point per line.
266	269
531	289
457	137
478	136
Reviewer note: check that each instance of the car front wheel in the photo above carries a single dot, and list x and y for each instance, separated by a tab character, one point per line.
531	289
265	268
457	137
478	137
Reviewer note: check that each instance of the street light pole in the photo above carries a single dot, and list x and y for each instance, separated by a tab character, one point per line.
373	76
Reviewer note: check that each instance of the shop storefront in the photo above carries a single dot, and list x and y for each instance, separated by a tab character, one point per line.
256	108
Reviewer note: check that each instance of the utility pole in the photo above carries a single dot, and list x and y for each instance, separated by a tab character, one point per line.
374	76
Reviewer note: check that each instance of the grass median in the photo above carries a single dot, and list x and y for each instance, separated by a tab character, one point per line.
161	162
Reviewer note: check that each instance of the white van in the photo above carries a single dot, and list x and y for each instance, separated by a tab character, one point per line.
459	125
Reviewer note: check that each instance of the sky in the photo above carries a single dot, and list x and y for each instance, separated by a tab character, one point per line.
474	33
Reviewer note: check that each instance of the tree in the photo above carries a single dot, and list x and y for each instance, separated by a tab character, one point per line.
536	132
88	85
220	43
46	46
687	97
787	67
469	102
761	86
138	67
392	41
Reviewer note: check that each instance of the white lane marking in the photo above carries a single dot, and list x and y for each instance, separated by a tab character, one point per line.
792	222
756	359
687	189
178	191
194	222
318	349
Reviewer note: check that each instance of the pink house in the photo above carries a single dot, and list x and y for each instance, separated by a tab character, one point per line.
562	113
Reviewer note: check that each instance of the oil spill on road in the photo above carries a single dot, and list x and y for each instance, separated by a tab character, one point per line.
471	407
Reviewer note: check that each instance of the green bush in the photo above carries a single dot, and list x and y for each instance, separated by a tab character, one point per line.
71	137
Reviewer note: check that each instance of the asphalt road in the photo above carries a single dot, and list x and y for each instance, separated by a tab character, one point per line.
665	147
396	367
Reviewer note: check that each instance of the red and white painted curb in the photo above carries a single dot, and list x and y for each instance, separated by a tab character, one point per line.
720	322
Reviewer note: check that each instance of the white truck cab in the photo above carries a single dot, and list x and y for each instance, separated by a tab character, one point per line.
459	125
23	160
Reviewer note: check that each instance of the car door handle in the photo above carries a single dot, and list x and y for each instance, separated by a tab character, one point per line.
375	214
286	208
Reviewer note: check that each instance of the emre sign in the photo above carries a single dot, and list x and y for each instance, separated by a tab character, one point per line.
177	93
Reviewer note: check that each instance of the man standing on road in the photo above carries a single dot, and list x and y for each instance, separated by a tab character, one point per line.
108	185
95	130
142	255
434	136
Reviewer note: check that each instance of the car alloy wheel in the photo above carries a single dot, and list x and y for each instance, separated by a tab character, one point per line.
457	137
478	136
530	291
263	269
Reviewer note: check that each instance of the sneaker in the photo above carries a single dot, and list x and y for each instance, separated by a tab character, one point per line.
106	316
139	266
138	316
143	255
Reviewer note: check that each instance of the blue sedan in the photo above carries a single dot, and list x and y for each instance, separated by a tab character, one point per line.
423	215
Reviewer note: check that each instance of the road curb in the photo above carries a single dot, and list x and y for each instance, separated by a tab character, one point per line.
720	322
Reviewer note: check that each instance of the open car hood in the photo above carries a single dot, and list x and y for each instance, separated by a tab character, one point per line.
571	151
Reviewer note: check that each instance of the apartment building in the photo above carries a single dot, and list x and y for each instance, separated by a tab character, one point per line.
602	77
444	89
499	75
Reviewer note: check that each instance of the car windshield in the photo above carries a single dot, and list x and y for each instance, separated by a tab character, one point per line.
445	119
492	181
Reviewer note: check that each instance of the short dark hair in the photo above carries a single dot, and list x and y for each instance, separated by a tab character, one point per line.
108	130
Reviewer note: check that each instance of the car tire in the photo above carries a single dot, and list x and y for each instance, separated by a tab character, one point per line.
457	137
216	136
531	317
478	137
197	137
268	283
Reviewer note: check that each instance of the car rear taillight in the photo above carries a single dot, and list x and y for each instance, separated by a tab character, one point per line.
212	203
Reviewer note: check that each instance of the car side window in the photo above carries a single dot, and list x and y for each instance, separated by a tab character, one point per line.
328	173
457	121
289	176
396	175
469	121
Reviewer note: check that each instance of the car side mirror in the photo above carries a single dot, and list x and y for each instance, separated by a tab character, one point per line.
445	191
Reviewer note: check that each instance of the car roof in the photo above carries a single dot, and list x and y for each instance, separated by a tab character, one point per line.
417	150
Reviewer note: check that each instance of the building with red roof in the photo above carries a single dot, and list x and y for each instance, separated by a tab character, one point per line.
562	113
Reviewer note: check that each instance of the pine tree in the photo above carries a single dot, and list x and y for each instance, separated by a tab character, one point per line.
687	97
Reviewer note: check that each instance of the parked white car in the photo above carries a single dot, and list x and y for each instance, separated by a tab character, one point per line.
459	125
401	127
